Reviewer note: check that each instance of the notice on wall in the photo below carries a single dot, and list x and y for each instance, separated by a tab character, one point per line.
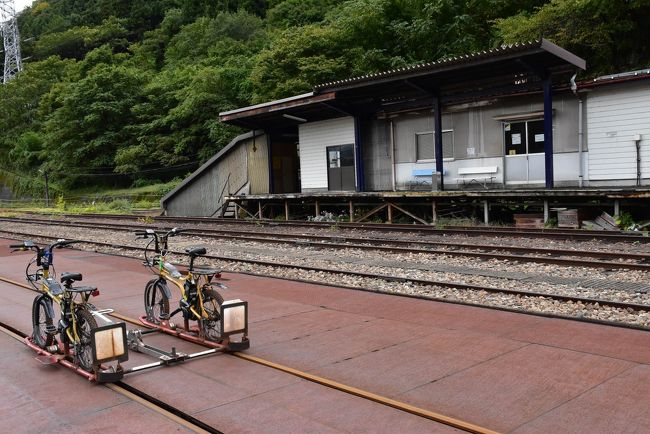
516	139
539	137
512	152
471	152
506	127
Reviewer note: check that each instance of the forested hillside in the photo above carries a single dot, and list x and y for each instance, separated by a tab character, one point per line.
122	92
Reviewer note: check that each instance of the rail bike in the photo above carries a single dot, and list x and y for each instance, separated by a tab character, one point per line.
76	340
207	319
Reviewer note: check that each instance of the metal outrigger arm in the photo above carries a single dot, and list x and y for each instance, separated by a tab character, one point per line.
165	358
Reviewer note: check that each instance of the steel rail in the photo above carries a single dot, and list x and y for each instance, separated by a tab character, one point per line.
399	405
339	240
575	234
388	278
167	410
320	242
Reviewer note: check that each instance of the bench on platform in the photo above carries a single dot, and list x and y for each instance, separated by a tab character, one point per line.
425	172
422	179
479	175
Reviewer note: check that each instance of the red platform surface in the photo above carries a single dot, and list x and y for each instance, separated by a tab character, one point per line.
504	371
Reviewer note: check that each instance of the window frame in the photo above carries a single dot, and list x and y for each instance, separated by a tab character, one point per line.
432	132
526	135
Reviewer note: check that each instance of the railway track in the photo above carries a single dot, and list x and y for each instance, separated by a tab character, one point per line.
597	303
198	426
564	257
556	234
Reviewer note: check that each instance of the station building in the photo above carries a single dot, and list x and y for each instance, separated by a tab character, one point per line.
513	122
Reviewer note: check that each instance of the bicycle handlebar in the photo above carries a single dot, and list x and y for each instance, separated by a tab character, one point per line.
63	243
157	234
29	245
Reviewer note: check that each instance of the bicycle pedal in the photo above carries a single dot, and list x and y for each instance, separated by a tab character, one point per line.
52	349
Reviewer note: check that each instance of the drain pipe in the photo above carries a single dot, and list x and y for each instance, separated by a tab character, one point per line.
637	142
574	88
392	156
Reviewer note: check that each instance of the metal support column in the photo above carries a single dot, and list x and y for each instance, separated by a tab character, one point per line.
617	208
358	156
437	109
259	210
548	129
286	210
317	208
351	205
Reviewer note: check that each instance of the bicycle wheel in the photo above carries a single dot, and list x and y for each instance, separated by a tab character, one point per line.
85	323
211	326
40	323
156	305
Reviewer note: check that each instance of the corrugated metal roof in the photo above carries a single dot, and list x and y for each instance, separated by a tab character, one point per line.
621	77
430	67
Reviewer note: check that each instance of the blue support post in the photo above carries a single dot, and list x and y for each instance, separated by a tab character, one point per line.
548	130
437	137
358	156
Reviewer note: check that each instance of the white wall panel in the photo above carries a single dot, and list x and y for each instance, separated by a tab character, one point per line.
614	116
314	138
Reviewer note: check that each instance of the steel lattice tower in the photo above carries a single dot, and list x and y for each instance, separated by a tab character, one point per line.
11	38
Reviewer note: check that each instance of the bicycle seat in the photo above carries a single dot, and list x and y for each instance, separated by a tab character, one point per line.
68	278
81	289
195	251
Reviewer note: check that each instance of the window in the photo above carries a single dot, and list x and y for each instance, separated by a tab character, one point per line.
525	137
425	146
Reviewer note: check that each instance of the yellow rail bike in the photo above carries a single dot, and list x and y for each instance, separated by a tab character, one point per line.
199	299
77	328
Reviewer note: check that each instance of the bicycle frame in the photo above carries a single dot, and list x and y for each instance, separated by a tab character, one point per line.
64	298
170	273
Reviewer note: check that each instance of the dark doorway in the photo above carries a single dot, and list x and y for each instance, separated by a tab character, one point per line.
340	168
285	167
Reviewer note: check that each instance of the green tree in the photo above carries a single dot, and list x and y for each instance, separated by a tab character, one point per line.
90	120
611	35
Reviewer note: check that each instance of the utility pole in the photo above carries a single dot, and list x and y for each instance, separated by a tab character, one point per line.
47	191
47	187
11	38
